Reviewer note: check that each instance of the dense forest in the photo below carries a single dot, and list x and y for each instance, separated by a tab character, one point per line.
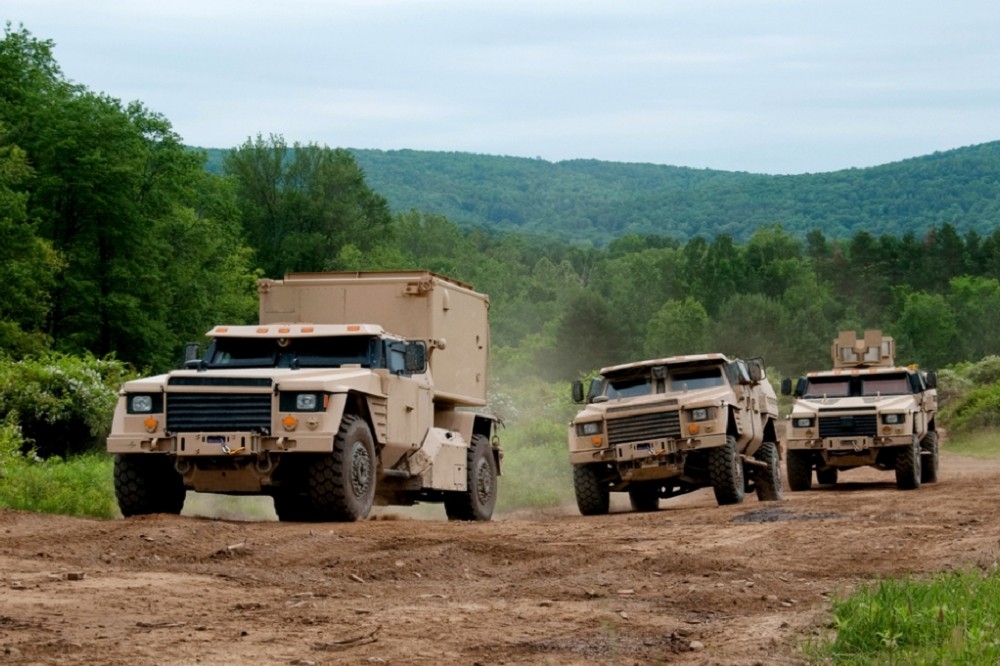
590	203
117	239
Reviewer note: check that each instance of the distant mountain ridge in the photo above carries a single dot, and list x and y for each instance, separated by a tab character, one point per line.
594	202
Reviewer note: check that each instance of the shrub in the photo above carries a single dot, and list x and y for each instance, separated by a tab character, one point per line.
61	404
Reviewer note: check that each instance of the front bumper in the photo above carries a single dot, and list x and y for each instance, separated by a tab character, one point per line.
651	452
220	444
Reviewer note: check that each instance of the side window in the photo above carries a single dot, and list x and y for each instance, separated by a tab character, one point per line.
397	358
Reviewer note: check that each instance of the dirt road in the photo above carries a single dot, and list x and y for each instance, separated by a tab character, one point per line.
690	584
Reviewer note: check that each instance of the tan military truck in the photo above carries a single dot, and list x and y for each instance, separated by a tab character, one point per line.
864	412
663	427
354	389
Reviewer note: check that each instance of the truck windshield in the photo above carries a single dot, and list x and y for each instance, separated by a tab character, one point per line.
886	385
839	387
688	380
628	387
329	352
829	387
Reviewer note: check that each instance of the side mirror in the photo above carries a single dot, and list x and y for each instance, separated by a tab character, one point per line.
743	373
756	369
192	357
577	391
931	379
800	387
786	386
416	358
594	390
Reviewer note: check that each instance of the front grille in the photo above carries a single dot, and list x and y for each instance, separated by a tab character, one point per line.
848	425
641	427
219	412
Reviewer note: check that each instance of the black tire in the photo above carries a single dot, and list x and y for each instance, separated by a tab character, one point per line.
767	481
644	498
147	483
908	466
826	476
478	501
293	507
593	496
798	466
341	486
725	472
930	458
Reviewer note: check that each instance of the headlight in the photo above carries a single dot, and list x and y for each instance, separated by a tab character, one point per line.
142	404
305	402
591	428
803	422
699	414
893	419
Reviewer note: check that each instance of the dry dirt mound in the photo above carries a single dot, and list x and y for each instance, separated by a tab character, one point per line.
693	583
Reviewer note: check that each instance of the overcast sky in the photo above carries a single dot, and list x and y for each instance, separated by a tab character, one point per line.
769	86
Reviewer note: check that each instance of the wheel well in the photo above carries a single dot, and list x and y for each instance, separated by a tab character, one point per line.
357	405
770	432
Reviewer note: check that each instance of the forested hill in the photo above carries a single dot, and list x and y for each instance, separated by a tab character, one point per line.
593	202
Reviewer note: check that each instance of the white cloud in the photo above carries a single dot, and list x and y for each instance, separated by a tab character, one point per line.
758	85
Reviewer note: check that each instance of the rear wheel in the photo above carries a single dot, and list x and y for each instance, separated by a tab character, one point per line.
908	466
798	465
341	486
147	483
593	497
929	458
725	472
767	480
644	498
478	501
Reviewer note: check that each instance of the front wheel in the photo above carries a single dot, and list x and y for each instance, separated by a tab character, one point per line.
341	486
929	458
798	465
908	466
593	497
725	471
767	480
478	501
147	483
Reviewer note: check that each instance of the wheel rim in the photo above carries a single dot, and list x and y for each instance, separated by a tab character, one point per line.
361	468
484	483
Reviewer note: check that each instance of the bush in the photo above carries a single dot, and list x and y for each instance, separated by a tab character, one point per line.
978	409
61	404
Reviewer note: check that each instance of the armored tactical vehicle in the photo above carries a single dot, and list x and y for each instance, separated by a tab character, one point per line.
866	411
663	427
354	388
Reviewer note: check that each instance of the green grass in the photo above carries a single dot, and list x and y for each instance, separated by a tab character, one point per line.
952	618
982	444
79	486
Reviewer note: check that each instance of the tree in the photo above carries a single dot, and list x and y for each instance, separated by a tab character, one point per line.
28	264
751	325
926	330
302	205
586	339
679	327
117	195
976	304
